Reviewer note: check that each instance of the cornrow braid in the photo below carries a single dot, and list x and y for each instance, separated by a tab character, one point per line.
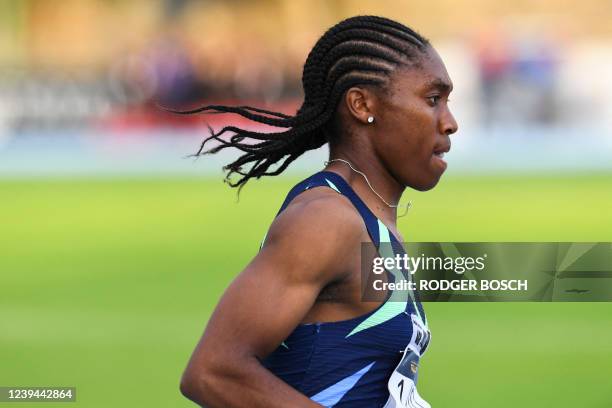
361	50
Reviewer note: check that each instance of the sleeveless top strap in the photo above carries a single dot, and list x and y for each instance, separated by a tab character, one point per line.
336	182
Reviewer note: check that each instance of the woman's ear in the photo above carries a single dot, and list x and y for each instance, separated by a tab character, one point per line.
360	103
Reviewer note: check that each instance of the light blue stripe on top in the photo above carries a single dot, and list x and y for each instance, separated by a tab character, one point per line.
396	304
333	394
332	185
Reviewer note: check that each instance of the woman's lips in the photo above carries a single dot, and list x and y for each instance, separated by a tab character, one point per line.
439	159
439	152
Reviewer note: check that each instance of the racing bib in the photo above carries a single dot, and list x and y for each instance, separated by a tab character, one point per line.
402	383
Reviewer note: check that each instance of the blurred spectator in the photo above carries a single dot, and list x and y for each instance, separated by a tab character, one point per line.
518	77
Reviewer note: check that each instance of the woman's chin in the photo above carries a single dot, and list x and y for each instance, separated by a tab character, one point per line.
425	185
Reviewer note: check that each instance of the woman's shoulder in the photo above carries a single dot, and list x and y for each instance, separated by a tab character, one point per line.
317	234
319	214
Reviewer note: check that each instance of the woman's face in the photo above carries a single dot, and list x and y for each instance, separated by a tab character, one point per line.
414	124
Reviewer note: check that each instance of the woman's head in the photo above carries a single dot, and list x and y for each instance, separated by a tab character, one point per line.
363	65
412	122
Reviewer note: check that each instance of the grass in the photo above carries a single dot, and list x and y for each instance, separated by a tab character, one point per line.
106	285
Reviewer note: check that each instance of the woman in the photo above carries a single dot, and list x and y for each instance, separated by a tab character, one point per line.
292	329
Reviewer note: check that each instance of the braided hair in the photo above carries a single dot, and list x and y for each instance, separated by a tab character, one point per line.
361	50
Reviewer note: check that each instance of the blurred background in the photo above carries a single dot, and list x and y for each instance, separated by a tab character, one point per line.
115	247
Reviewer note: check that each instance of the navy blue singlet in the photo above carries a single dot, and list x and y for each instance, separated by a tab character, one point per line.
348	363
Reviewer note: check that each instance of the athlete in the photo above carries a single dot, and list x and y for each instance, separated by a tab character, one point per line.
293	330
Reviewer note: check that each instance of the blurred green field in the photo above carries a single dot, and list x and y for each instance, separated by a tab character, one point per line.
106	285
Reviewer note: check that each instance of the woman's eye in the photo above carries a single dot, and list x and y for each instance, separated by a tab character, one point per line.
433	100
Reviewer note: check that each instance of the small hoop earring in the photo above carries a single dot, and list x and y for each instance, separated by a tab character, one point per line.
370	119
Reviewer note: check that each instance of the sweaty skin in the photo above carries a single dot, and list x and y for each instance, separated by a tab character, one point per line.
313	246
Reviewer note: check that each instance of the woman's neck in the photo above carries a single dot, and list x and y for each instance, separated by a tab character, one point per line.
381	181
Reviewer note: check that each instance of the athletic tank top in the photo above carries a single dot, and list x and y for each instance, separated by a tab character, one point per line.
348	363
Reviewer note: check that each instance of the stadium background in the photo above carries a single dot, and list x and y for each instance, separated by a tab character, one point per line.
114	247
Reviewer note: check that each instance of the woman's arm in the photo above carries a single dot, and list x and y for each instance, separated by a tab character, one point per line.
308	246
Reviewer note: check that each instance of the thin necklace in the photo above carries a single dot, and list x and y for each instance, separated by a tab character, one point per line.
407	206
